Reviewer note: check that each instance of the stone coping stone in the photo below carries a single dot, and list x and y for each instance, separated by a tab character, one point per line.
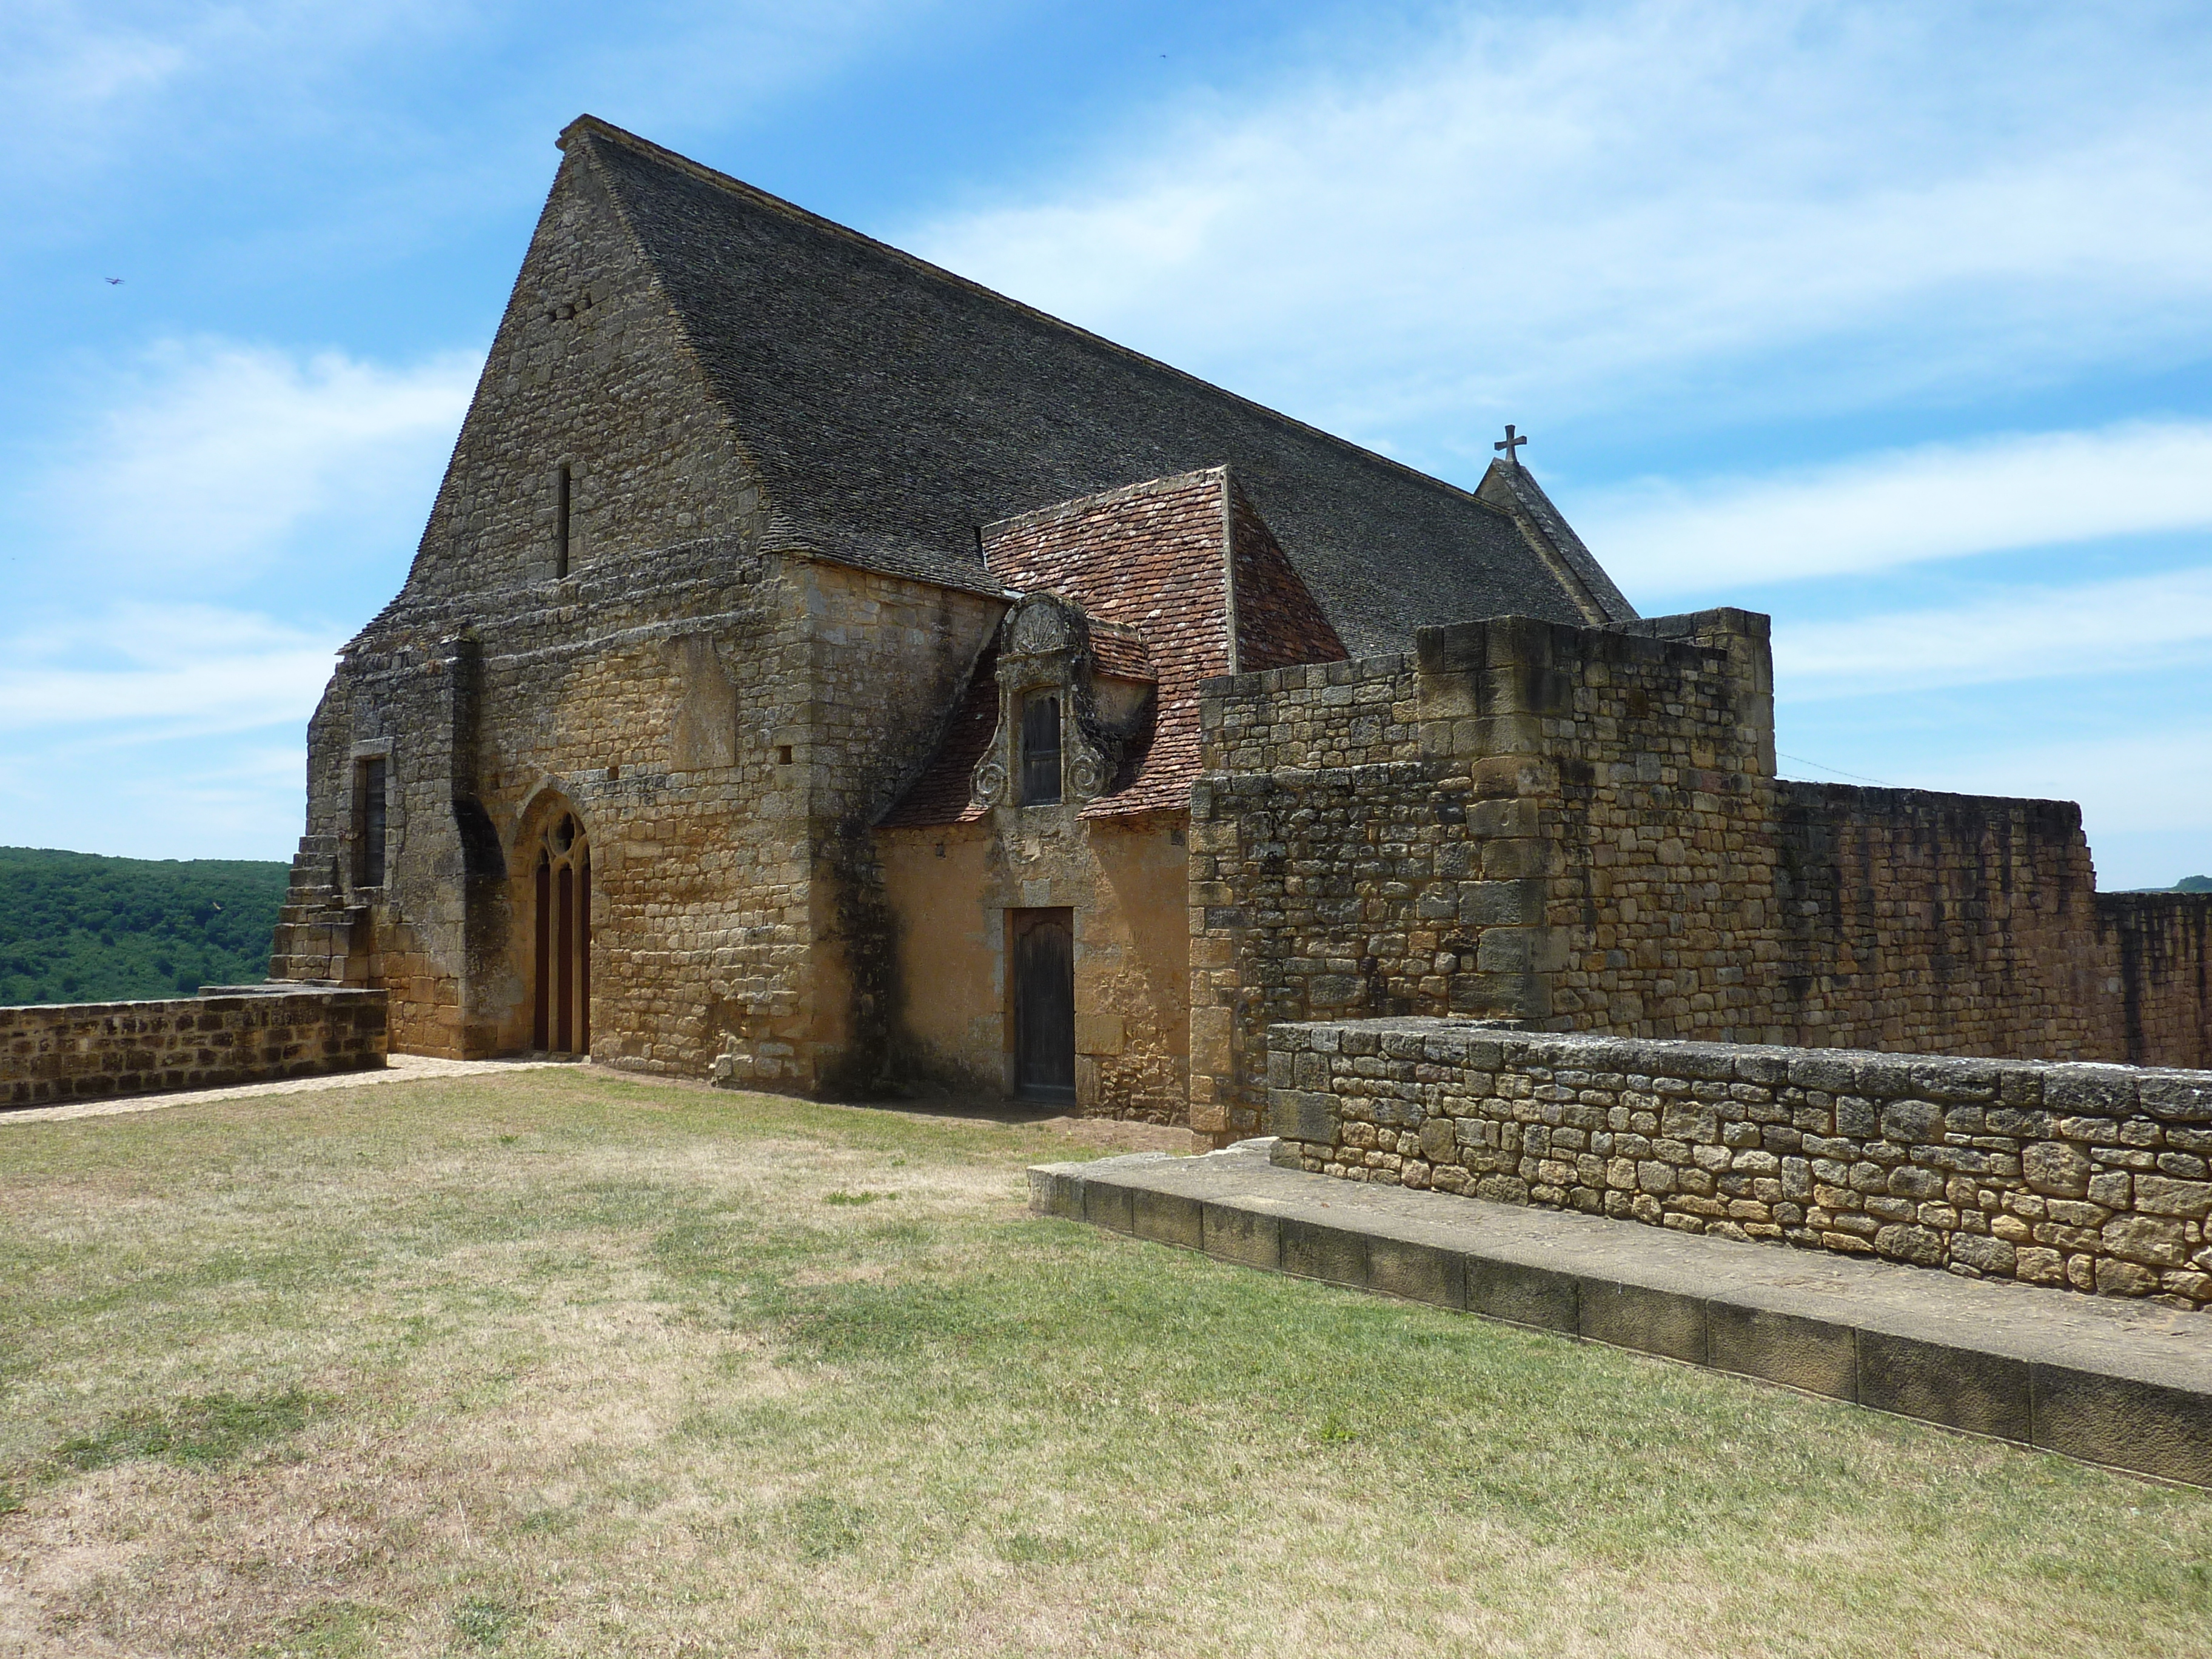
2122	1383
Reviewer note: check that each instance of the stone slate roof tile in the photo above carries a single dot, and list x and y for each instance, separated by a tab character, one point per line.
1514	489
890	408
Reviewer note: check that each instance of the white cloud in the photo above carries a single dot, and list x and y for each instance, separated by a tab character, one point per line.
154	673
1874	512
2140	624
64	66
1559	213
2152	780
213	454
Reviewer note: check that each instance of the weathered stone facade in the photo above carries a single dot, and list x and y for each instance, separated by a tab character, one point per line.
739	509
2081	1176
1581	828
700	738
56	1053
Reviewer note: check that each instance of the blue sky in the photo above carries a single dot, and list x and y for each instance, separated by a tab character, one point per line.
1894	321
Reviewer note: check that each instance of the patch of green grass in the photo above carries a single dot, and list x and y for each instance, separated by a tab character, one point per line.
485	1623
843	1197
1031	1549
326	1630
216	1428
664	1386
822	1527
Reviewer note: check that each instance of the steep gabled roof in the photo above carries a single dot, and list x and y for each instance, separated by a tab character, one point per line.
1152	565
892	408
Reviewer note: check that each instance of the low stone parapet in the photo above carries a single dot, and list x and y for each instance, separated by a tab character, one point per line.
95	1050
2093	1177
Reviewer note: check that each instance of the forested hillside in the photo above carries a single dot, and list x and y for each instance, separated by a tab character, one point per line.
75	927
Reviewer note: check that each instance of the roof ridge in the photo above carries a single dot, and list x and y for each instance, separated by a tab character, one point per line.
593	126
1128	492
1577	562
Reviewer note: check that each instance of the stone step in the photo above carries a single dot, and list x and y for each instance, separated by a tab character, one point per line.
2124	1383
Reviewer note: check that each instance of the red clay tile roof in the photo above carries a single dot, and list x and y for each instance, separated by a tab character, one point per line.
1120	652
1278	624
1151	558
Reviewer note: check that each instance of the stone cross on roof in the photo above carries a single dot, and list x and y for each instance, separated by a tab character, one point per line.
1511	445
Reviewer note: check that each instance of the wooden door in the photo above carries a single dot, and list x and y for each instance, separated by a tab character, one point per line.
1044	1003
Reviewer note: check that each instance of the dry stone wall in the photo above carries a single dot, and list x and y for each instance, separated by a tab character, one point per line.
1581	828
2090	1177
93	1050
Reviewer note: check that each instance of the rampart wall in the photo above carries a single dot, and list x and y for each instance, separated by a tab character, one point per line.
1581	828
1939	924
2160	947
2088	1177
58	1053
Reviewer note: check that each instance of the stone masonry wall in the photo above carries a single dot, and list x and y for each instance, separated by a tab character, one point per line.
722	722
1290	857
94	1050
590	367
1940	924
1581	828
2091	1178
1523	820
2160	945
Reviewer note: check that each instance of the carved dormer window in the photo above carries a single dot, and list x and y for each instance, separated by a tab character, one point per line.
1049	747
1041	749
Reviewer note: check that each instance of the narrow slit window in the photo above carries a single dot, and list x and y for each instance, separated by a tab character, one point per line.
562	491
1041	749
369	823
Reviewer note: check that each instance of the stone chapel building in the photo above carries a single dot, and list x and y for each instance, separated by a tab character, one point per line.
821	672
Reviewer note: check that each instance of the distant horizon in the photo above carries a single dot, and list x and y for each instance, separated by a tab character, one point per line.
1888	322
2177	885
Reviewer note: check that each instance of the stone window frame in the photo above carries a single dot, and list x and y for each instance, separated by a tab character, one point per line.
349	806
1028	791
564	517
1045	648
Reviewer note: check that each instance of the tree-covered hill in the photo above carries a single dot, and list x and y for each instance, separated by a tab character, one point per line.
76	927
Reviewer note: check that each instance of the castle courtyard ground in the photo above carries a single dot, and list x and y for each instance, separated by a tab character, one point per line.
560	1362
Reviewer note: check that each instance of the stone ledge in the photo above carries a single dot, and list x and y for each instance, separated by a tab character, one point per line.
2125	1384
54	1054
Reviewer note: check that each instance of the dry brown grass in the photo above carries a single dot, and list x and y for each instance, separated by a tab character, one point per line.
561	1364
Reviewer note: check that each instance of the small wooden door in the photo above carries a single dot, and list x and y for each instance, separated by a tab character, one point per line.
1044	1003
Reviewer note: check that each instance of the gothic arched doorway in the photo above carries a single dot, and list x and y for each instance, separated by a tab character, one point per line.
561	983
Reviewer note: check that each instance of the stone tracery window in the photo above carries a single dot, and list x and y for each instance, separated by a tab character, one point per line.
561	1017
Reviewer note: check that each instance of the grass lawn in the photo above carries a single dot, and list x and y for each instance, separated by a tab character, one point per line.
558	1363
